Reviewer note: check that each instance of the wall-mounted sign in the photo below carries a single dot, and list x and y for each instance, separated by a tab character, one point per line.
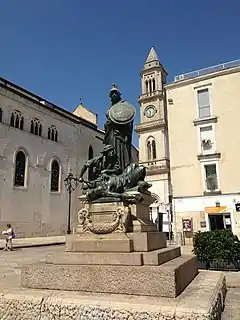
237	206
203	224
187	224
228	221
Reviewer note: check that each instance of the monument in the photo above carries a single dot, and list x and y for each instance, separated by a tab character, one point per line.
116	248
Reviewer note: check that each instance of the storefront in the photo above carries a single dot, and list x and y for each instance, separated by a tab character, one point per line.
218	218
196	214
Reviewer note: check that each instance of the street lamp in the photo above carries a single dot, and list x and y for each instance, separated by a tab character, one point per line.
71	184
169	213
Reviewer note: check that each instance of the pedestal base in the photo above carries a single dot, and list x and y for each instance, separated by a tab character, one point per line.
152	258
166	280
88	242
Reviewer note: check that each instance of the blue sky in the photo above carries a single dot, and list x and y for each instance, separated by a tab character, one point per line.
64	50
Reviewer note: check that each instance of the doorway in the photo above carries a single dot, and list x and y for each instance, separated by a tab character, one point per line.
220	221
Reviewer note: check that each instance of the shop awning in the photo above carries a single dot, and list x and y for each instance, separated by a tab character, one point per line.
215	210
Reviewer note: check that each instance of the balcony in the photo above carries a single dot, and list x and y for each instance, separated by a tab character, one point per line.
212	119
150	95
212	187
151	125
156	166
209	156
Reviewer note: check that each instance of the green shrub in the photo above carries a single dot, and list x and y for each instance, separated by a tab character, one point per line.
221	247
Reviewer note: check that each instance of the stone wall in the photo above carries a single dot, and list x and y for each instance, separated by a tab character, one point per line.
34	210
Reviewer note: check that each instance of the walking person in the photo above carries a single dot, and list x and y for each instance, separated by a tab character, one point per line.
9	236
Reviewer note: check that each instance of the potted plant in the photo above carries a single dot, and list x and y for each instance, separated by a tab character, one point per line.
206	142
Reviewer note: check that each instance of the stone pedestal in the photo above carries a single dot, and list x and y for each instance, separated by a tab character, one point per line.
166	280
115	249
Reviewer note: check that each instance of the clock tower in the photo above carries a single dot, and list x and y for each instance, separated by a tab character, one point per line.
153	134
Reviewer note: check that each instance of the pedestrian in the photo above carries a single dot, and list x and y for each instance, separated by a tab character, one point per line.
9	236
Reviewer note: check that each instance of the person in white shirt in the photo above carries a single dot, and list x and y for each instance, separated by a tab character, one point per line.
9	236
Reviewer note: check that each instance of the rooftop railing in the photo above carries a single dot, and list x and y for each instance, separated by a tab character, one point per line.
201	72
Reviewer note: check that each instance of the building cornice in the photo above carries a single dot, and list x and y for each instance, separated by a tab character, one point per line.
23	93
151	125
157	166
151	96
153	68
209	156
208	194
212	119
182	83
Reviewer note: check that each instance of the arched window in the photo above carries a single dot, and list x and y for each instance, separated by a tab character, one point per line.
20	169
153	84
12	120
32	127
154	153
151	149
1	114
40	130
36	127
90	156
146	84
150	85
53	133
90	152
55	176
17	120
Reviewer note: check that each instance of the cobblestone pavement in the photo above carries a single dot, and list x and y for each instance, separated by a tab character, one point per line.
232	305
11	262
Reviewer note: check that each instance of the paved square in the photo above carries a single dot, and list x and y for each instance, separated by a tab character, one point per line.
11	262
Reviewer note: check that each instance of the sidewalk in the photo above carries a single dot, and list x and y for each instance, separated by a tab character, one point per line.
35	242
232	277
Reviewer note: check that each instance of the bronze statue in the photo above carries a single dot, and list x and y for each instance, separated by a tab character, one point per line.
115	177
107	163
119	127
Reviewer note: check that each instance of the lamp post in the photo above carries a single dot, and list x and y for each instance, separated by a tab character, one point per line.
71	184
169	221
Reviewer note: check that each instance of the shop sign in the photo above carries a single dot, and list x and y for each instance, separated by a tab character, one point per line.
237	206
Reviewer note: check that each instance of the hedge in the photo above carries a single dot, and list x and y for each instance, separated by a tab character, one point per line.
219	247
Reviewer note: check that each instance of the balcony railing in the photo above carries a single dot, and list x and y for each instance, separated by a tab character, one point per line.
205	71
150	94
150	125
156	166
212	183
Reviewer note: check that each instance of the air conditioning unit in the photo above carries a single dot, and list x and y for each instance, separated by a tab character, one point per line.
181	77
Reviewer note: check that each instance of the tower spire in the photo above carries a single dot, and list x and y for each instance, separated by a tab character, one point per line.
152	56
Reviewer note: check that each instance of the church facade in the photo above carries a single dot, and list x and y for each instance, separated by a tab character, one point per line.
39	144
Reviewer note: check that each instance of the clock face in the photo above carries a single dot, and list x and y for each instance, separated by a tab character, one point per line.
150	111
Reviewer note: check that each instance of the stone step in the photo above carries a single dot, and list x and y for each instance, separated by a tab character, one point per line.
96	258
203	299
147	241
166	280
155	257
